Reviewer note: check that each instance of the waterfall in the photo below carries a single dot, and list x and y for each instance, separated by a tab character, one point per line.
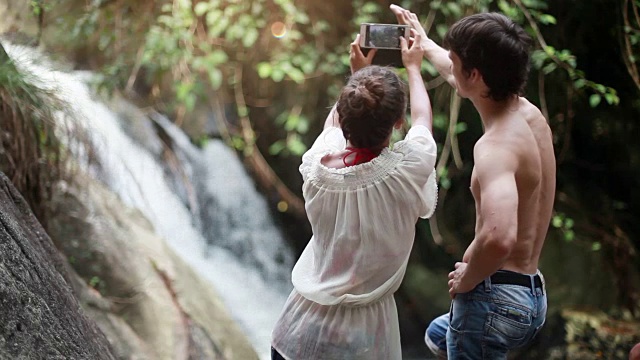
221	226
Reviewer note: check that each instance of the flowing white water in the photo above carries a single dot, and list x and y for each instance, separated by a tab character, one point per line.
237	248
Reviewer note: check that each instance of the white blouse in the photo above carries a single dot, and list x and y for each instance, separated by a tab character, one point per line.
363	220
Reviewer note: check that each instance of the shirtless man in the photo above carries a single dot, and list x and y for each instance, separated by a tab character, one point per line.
499	300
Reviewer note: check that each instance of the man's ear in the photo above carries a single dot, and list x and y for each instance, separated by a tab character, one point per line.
475	75
398	124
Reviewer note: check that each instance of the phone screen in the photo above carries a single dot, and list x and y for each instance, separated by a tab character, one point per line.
384	36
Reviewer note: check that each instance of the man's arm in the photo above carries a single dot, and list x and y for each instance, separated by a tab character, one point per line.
496	236
438	56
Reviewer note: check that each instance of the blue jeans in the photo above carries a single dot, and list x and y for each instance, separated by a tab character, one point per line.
488	321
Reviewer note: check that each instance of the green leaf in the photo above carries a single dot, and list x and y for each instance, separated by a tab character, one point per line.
568	223
596	246
505	7
594	100
296	146
303	125
455	9
234	32
556	221
308	67
264	70
217	24
460	128
277	75
296	75
547	19
550	50
256	9
238	143
440	121
243	111
215	78
370	8
291	122
182	89
569	235
445	183
579	84
250	37
538	57
190	102
549	68
201	8
217	57
277	147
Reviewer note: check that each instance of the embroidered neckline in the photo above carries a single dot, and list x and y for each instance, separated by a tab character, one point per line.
362	155
363	174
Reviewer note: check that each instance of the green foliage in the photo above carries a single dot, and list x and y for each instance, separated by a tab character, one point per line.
38	7
565	225
205	46
549	59
97	283
443	178
32	155
294	124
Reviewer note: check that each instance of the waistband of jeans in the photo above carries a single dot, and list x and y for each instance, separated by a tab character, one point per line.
513	278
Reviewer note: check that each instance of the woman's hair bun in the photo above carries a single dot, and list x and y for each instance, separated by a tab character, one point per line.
370	104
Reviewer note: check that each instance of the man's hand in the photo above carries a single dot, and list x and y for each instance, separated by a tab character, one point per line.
437	55
357	58
457	283
406	17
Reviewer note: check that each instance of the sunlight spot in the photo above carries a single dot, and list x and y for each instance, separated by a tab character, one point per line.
283	206
279	29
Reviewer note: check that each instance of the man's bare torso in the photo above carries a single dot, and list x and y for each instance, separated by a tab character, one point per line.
526	134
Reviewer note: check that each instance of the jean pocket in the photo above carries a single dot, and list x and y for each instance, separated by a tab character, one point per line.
508	325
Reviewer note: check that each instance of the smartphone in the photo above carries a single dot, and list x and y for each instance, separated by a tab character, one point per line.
382	36
385	38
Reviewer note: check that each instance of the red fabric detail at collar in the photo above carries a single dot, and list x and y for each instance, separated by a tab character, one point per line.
362	155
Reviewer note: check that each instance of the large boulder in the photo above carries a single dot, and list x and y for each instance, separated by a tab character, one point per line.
39	314
145	298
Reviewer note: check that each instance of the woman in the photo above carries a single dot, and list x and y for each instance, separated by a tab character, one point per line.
363	200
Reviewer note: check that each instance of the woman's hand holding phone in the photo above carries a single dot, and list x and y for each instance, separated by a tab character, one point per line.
357	60
412	53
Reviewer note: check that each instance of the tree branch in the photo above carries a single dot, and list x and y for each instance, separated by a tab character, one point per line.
628	50
265	175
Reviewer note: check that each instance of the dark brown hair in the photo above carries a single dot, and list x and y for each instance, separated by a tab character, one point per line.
370	104
497	47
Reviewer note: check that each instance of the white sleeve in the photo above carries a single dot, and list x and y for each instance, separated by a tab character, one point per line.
331	139
420	150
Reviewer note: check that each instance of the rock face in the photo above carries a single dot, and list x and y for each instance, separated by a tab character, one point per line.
149	302
39	315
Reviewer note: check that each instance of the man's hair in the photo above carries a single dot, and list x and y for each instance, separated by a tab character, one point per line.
497	47
370	104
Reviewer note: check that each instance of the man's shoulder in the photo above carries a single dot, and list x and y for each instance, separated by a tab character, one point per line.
530	112
493	152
